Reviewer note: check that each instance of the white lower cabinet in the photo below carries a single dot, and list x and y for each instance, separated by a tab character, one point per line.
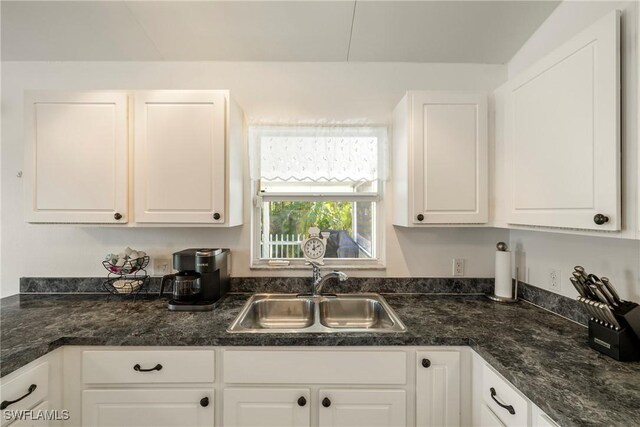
346	408
147	387
326	387
148	407
268	407
32	395
438	388
497	402
272	386
504	399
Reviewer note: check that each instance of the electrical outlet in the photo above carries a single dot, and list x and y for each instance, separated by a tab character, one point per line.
161	266
555	279
458	267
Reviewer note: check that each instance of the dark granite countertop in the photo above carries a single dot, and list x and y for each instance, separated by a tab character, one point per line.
544	355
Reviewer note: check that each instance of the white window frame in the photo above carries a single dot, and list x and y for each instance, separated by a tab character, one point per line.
377	263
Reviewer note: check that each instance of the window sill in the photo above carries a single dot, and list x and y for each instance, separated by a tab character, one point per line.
300	265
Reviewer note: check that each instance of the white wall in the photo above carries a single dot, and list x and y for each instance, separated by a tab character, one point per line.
616	258
266	91
538	253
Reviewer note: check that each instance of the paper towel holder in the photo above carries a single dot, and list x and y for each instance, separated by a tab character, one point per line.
493	297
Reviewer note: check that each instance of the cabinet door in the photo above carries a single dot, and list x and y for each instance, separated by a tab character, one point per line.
450	157
266	407
148	407
438	388
368	408
563	136
180	157
76	154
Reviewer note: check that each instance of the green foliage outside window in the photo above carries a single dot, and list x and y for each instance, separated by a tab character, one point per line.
297	217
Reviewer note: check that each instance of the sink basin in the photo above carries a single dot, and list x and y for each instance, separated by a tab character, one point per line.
286	313
355	312
279	313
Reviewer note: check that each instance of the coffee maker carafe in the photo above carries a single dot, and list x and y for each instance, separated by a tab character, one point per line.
186	285
202	279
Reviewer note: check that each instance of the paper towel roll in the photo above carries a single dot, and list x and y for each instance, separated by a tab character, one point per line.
503	274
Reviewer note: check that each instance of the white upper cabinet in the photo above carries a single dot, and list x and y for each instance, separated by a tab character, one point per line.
76	168
187	164
180	157
563	134
440	159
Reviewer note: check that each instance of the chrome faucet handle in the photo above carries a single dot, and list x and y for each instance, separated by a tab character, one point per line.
341	276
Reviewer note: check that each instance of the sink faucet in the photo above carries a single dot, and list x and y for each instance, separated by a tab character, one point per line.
319	280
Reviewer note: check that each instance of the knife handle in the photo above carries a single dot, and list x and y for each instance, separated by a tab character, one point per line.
578	287
604	291
607	283
598	294
582	280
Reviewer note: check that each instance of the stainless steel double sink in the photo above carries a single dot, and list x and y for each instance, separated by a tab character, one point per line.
288	313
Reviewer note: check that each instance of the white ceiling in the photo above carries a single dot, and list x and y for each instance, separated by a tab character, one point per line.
411	31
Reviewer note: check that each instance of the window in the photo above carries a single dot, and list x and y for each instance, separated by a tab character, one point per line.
326	177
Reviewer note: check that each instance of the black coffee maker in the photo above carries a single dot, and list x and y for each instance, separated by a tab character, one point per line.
202	279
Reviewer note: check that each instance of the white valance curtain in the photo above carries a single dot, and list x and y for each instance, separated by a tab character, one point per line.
318	153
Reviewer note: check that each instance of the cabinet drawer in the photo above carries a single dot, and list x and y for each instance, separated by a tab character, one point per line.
315	367
148	366
506	395
18	387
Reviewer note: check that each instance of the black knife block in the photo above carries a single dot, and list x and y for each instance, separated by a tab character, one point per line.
628	315
623	344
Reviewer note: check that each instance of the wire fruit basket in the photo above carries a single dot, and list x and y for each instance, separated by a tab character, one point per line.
130	278
130	266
